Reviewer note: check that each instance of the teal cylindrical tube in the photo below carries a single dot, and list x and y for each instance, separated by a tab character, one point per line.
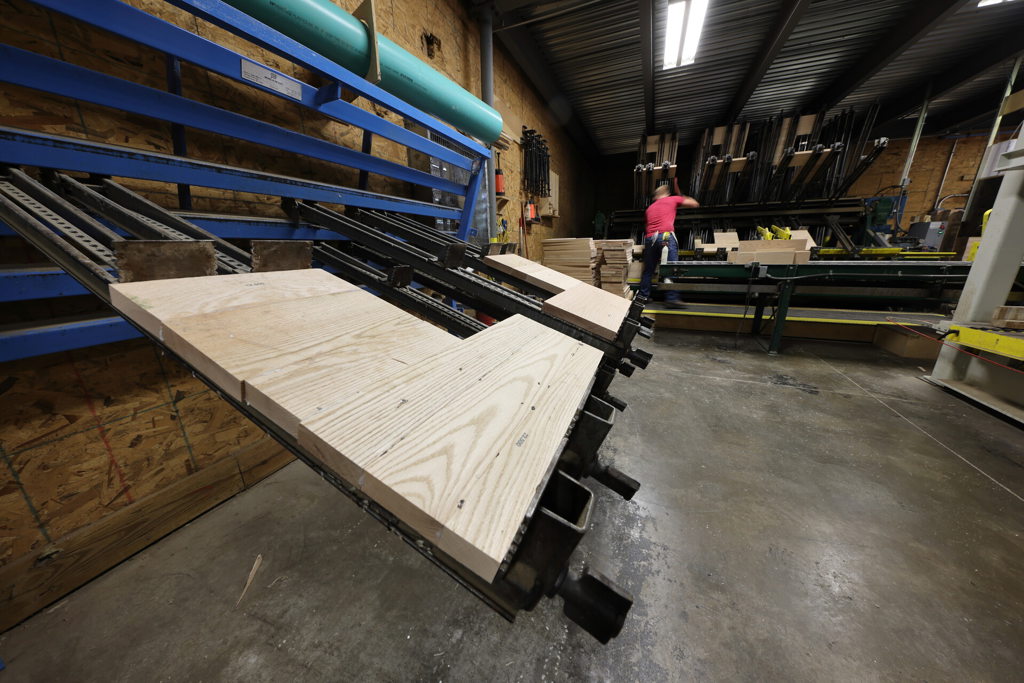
339	36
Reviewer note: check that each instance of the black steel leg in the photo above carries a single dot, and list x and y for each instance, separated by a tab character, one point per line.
781	309
755	326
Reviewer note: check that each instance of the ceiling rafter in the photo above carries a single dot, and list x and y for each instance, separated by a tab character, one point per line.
647	61
789	16
1006	47
922	18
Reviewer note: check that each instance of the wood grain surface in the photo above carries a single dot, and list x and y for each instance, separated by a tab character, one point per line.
591	308
455	437
546	278
149	303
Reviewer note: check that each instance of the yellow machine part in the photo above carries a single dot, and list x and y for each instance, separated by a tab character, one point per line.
1009	345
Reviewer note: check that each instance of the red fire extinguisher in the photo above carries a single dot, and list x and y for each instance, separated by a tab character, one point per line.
499	179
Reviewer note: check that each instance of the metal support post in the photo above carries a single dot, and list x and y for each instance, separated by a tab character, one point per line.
1007	91
781	310
487	95
177	130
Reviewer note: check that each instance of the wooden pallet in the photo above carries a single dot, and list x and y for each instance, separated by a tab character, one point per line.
455	437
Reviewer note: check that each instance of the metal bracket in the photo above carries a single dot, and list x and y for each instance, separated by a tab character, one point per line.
399	276
579	458
367	14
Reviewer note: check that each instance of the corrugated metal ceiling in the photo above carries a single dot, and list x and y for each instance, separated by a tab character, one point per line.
595	56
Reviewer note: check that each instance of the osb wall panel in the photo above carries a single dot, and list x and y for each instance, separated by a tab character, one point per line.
404	21
927	183
86	433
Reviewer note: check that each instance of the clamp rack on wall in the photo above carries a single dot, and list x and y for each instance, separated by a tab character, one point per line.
65	219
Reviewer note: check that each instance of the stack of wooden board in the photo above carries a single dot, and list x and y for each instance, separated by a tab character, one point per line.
455	437
574	257
1010	317
614	258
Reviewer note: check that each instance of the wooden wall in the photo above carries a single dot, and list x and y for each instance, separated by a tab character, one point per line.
927	183
103	451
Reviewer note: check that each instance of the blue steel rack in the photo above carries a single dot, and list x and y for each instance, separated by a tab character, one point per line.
20	147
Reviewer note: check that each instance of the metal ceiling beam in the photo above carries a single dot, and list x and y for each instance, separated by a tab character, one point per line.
980	111
526	52
647	61
1004	48
787	19
923	16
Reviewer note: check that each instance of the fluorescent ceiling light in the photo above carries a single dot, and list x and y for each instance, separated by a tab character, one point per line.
986	3
684	22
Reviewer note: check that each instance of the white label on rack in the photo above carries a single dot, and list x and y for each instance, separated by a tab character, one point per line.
261	75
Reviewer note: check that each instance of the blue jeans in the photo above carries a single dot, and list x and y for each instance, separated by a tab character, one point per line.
652	258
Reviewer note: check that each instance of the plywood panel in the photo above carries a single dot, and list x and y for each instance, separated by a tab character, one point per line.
591	308
546	278
31	582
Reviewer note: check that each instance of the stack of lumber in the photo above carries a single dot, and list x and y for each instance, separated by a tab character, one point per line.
770	252
581	304
767	252
1011	317
614	258
574	257
390	403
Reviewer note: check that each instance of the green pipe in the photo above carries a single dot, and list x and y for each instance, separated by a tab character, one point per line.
339	36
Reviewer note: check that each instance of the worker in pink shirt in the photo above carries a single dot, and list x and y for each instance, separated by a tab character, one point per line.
661	232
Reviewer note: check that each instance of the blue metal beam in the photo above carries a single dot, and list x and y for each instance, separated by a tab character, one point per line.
19	147
31	70
145	28
472	192
240	227
241	24
43	339
23	284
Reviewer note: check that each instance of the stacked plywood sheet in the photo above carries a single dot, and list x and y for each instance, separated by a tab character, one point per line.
391	404
574	257
614	258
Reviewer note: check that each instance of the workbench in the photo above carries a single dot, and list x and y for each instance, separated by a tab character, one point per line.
905	284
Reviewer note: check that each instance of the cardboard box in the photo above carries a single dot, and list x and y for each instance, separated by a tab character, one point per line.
906	344
762	257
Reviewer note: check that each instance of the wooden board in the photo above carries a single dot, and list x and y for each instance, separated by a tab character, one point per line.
801	234
764	257
459	448
546	278
147	303
386	341
771	245
591	308
455	437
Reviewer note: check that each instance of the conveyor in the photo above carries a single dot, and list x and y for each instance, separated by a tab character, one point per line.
912	285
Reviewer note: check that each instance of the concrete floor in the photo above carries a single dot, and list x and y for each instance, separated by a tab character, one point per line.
822	515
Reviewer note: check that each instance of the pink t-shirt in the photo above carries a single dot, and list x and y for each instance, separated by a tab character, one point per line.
661	215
